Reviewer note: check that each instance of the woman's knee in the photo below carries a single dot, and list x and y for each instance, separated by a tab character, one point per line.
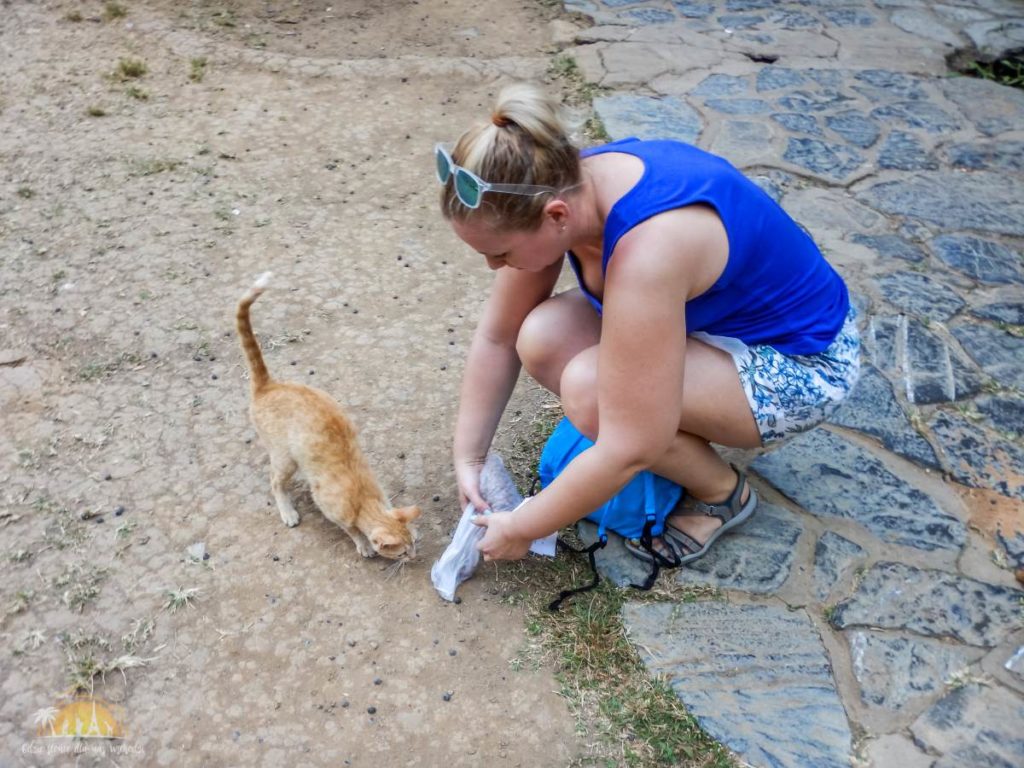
554	332
538	339
579	392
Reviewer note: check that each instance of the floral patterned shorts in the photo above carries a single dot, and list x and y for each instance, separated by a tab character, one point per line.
789	394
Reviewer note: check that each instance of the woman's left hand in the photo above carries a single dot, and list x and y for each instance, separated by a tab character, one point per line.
501	542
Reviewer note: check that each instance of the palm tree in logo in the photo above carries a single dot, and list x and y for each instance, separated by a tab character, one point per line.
44	718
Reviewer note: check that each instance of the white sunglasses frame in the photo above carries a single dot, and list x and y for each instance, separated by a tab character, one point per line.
527	190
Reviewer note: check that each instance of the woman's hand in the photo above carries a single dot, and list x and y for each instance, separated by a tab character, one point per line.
501	541
467	477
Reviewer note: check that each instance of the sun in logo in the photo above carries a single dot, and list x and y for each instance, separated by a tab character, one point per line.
86	717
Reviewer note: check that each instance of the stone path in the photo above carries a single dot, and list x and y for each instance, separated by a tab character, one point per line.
870	614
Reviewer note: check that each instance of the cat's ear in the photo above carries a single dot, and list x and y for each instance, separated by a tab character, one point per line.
406	514
382	540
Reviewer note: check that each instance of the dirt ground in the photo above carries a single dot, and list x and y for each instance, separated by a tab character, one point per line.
134	210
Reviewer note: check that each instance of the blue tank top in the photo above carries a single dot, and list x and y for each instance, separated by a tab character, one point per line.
776	289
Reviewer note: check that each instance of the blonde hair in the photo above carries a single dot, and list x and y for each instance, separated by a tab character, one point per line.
524	142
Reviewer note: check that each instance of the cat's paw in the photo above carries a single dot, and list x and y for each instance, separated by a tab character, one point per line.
290	518
365	549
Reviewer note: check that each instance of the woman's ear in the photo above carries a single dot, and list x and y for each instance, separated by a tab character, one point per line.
558	211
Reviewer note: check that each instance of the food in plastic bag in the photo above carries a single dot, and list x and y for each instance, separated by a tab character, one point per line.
460	559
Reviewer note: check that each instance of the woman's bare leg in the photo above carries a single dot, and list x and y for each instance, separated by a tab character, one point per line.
558	347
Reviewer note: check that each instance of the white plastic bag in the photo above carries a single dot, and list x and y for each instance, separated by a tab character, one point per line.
460	559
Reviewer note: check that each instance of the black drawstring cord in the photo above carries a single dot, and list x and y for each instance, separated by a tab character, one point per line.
599	544
646	541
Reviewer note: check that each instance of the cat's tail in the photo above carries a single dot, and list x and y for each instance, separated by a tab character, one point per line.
260	377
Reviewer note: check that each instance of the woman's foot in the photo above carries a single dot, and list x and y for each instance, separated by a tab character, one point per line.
693	532
699	525
689	534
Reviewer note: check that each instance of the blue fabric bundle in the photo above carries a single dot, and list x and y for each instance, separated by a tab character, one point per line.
647	497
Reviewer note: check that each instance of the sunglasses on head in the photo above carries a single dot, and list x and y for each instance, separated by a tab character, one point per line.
470	188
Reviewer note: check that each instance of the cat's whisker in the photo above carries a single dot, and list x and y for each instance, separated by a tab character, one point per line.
393	570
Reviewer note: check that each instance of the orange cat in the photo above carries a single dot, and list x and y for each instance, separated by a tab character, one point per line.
305	430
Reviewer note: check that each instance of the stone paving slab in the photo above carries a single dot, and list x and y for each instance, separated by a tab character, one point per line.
874	410
912	180
932	604
755	558
895	669
834	555
977	458
827	475
974	726
756	677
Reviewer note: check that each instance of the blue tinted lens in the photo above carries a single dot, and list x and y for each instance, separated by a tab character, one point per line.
467	188
444	167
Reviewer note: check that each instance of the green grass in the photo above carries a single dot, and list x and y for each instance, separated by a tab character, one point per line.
629	717
101	369
22	600
139	94
565	71
595	131
197	69
112	10
577	91
1008	71
26	193
152	167
180	598
80	585
130	68
88	656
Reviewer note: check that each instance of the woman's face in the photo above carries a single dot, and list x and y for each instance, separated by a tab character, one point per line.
530	250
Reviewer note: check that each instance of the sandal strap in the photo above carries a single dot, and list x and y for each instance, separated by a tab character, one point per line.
732	506
680	537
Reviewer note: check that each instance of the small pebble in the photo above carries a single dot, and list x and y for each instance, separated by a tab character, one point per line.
344	703
377	681
118	511
275	558
99	519
371	710
214	376
437	498
447	696
452	652
351	643
108	476
457	600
